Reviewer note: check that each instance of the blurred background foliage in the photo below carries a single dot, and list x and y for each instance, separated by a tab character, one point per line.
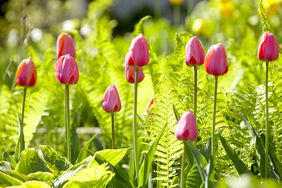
102	31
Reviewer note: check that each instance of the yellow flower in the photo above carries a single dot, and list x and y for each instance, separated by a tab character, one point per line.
227	9
272	6
176	2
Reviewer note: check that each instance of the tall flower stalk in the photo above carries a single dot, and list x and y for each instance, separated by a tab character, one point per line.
216	65
194	57
136	58
111	103
26	77
67	73
268	51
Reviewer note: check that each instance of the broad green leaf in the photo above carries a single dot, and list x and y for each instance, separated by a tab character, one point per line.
149	158
93	176
62	179
32	184
20	176
6	180
113	156
83	152
238	163
199	158
42	176
52	159
30	162
193	178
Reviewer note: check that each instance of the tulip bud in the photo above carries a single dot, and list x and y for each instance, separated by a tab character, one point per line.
130	70
111	100
186	128
65	45
149	104
194	52
140	51
268	48
215	60
66	70
26	73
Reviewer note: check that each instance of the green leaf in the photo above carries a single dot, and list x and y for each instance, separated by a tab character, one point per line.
6	180
193	178
32	184
93	176
30	162
18	175
83	152
42	176
238	163
52	159
63	178
199	158
176	114
149	158
112	156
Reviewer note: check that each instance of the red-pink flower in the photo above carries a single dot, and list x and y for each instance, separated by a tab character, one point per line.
194	52
216	60
140	51
26	73
186	128
130	69
65	45
66	70
150	104
111	100
268	49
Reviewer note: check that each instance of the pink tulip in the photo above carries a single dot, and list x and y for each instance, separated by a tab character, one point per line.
130	69
194	52
26	73
268	47
65	45
66	70
150	104
186	128
111	100
215	61
140	51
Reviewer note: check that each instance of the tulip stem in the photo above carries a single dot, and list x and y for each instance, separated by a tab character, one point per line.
214	116
134	127
21	144
195	91
113	131
67	127
266	123
182	182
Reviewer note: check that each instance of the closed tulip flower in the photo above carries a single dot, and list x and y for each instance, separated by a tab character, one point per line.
66	70
150	104
186	129
216	60
26	73
111	100
140	51
268	48
130	70
65	45
194	52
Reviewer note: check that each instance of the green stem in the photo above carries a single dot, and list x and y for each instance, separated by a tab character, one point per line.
113	131
134	127
21	144
214	116
195	91
176	15
266	123
67	126
182	182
